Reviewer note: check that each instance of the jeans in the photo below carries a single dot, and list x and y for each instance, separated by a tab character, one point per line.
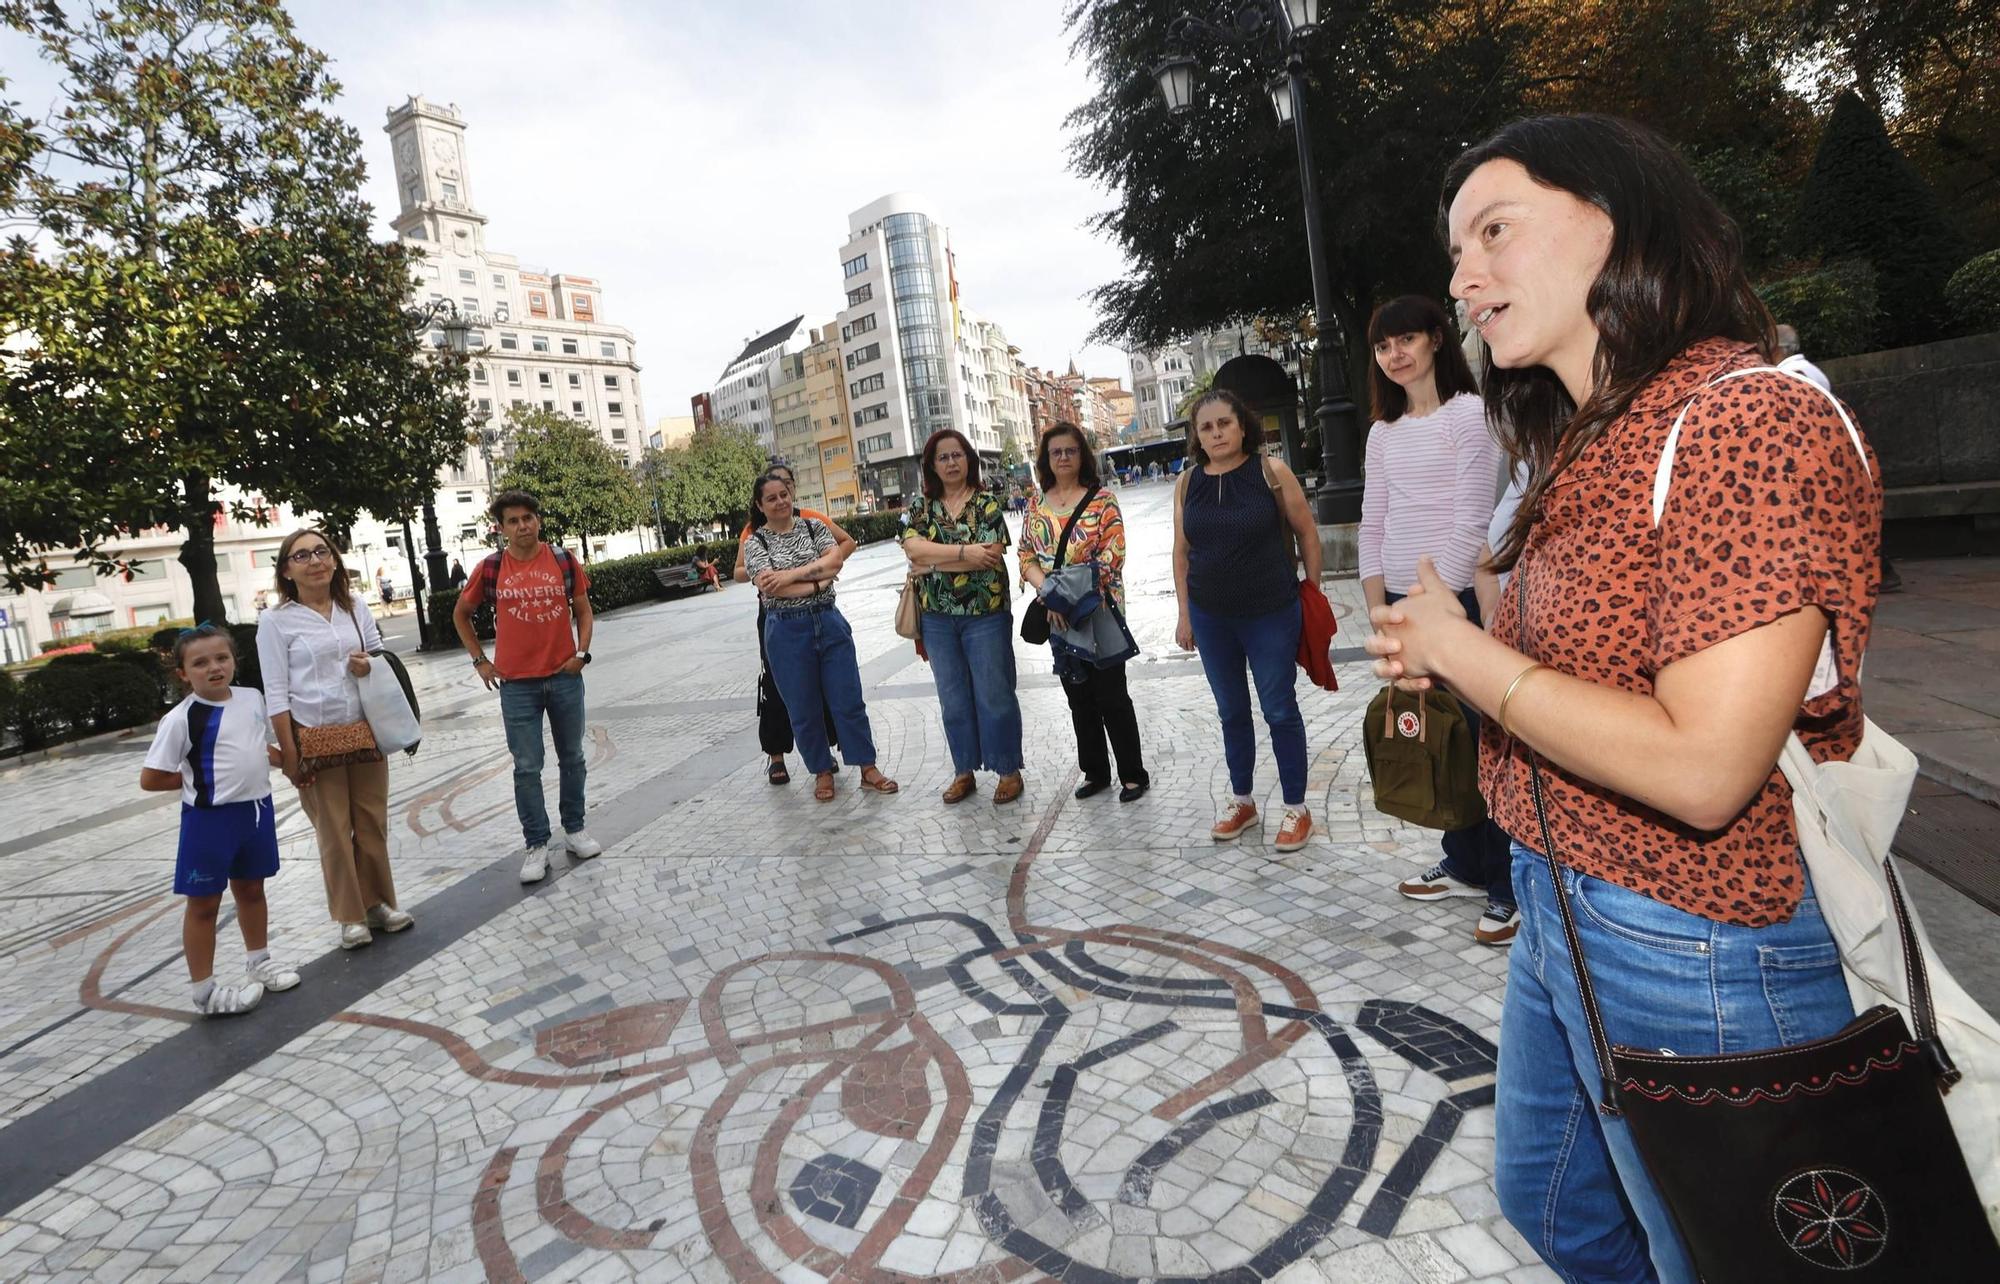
1480	854
812	657
1269	645
972	659
1101	706
774	720
522	703
1568	1178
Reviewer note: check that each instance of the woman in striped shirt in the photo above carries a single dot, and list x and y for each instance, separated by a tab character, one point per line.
1431	466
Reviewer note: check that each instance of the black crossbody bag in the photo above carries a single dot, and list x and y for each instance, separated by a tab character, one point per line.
1035	620
1833	1158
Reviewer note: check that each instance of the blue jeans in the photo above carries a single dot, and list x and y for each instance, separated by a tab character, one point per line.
812	657
522	703
1481	854
1569	1178
1269	645
972	660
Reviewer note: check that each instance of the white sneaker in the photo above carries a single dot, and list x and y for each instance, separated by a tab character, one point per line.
272	975
582	845
355	935
387	918
231	1000
535	863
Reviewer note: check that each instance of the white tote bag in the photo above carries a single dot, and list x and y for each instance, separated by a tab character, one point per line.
1847	814
387	709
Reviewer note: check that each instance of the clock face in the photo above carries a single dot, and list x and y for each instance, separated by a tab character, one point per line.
447	150
406	154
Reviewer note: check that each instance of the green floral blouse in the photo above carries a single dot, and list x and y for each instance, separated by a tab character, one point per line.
981	521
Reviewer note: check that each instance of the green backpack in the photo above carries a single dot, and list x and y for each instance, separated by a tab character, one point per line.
1423	759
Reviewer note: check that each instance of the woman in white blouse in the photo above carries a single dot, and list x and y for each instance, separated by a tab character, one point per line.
311	647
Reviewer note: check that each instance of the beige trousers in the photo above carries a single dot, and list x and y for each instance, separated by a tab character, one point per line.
349	809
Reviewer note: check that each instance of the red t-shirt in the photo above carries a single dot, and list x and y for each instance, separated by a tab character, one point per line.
534	636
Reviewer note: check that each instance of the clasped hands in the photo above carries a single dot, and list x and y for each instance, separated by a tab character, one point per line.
1411	637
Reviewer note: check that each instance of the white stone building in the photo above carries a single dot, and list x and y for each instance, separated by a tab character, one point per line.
1161	379
743	394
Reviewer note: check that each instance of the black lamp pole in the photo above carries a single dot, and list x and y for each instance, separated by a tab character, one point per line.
457	331
1284	26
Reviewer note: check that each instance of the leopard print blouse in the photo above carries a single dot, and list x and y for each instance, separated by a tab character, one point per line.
1772	510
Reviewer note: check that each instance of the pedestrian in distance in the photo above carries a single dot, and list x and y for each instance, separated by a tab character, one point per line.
774	719
542	626
457	579
1073	497
1646	664
1238	517
215	748
793	560
1431	464
310	649
385	591
957	542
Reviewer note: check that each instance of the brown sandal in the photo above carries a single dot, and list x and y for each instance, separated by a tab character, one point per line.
1008	789
960	788
880	784
823	786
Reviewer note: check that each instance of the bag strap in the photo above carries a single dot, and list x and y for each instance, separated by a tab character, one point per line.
1287	537
1062	545
1663	476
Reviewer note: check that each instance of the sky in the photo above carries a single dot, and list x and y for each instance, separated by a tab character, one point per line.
701	159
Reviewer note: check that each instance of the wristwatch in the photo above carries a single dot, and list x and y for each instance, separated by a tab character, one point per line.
478	660
583	656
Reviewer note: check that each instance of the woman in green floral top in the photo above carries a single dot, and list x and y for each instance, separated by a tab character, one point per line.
957	540
1099	703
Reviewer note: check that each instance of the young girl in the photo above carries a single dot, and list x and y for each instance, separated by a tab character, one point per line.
214	748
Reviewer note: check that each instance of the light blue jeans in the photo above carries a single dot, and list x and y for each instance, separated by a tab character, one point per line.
523	701
811	654
1568	1177
972	660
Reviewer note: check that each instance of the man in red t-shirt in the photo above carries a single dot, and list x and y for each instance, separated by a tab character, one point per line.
538	661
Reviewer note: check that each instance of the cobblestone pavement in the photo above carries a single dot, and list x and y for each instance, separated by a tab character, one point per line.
763	1038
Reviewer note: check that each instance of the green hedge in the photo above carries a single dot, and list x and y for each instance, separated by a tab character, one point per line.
621	581
81	695
1835	309
871	528
138	639
1972	296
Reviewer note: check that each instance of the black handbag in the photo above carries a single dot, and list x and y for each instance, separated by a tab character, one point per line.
1833	1157
1035	620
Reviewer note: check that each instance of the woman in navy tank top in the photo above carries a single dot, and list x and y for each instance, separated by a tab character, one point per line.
1236	518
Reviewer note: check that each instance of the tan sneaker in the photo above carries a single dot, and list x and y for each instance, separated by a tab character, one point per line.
1293	829
1235	818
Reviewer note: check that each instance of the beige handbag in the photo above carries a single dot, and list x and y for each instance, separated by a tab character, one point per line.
910	609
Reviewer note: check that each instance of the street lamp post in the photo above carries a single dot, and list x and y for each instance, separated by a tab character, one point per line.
457	328
1281	28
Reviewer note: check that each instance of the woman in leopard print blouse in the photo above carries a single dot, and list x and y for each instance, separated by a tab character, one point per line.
1658	665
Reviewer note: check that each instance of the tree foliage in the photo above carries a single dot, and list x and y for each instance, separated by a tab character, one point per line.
584	486
200	315
705	479
1972	296
1836	309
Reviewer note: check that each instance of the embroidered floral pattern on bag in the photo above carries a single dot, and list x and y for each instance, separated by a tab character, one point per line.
981	521
1832	1218
1771	510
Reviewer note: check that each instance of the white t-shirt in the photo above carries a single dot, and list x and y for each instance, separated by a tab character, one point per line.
219	748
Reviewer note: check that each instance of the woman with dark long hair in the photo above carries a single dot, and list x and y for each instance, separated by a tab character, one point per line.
1073	498
1651	655
1431	465
1237	518
793	560
958	540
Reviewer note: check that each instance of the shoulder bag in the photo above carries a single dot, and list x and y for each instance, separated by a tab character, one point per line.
910	607
1035	620
338	744
1794	1164
388	702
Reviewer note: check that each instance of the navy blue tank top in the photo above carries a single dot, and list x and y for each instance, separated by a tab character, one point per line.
1238	564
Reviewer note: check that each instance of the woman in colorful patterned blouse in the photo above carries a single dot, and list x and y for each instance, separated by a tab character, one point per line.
1648	660
1099	704
958	540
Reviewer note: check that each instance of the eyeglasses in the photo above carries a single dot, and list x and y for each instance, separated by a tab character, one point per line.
956	457
1063	452
315	554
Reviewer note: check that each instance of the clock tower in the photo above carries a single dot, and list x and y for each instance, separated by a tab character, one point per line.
433	181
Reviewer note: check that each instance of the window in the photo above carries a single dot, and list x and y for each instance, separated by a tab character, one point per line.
549	405
464	497
510	342
540	343
499	280
543	379
479	373
513	378
538	303
413	192
576	408
611	381
875	445
862	325
580	307
485	406
614	408
575	380
466	534
517	403
395	541
501	310
862	356
855	266
833	452
450	191
860	295
153	568
569	347
606	348
466	276
617	434
873	414
862	387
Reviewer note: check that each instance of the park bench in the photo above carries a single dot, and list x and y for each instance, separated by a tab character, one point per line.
678	579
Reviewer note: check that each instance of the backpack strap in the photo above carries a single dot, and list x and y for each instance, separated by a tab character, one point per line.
1663	476
1286	535
567	564
488	575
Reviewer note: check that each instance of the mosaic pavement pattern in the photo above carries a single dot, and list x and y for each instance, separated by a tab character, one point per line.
764	1039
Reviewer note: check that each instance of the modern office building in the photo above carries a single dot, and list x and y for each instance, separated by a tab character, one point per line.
742	395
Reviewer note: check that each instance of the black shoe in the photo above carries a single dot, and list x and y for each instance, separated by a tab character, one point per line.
1089	787
1133	793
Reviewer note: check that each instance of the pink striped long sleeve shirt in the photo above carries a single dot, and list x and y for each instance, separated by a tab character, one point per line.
1429	492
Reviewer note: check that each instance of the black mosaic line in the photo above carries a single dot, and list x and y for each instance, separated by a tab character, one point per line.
1078	953
1137	1187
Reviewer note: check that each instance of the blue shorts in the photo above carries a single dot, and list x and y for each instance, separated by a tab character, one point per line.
234	840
